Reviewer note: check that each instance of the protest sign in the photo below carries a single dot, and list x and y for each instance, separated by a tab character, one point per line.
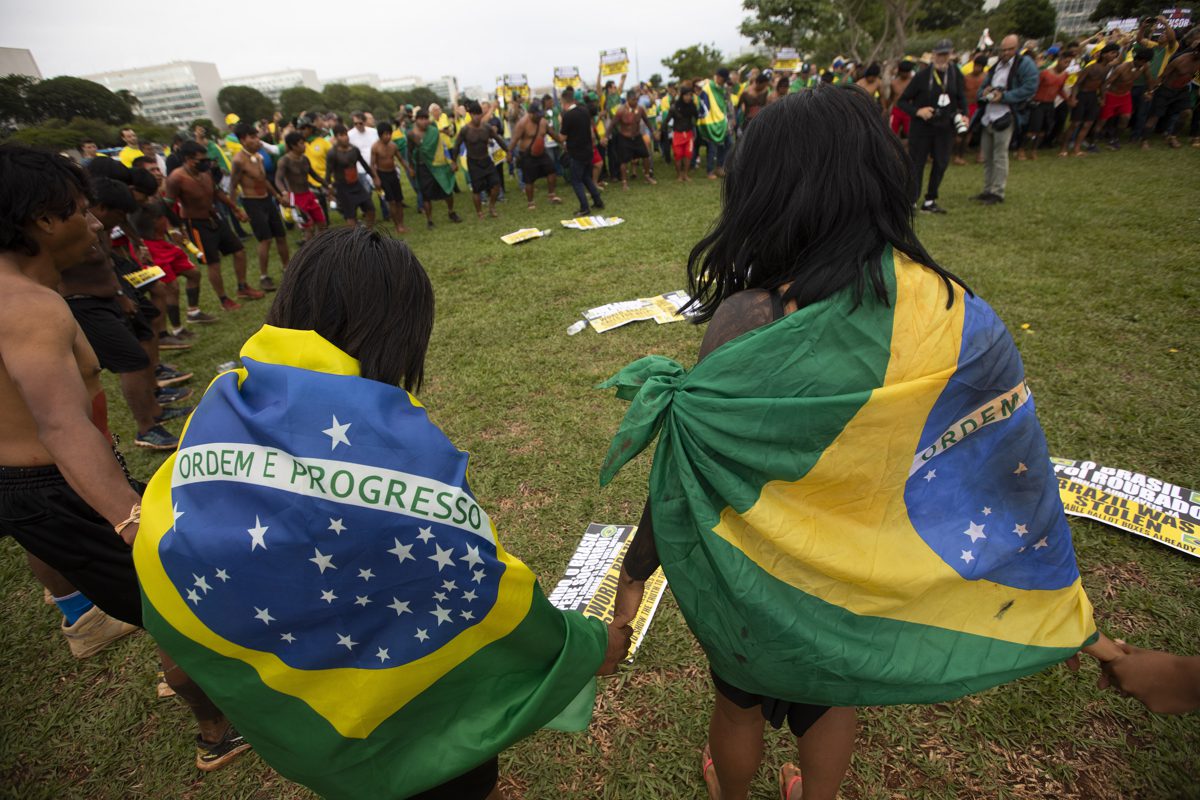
567	76
591	223
523	235
144	277
1134	502
614	62
590	583
662	309
1178	18
786	58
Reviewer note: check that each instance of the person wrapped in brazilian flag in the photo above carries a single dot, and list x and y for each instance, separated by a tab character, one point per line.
851	495
313	554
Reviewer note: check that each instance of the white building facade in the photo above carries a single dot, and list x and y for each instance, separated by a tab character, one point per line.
272	84
171	94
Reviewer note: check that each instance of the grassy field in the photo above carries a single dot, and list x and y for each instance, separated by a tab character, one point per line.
1098	256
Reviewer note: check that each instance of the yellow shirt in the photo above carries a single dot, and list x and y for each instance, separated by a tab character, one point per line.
317	150
129	154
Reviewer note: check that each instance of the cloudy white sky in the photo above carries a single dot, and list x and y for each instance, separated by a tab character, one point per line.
473	40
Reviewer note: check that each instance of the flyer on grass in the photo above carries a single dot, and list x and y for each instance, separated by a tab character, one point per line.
590	582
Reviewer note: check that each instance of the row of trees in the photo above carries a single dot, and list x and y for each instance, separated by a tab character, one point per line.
251	104
61	112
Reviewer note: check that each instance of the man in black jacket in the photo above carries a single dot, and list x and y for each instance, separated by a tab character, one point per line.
933	99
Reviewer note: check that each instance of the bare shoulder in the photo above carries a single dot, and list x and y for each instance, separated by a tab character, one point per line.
740	313
32	313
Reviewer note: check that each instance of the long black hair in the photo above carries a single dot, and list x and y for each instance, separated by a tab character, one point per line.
365	293
35	183
815	190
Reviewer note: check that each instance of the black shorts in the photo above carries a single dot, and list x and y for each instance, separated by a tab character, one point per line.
214	237
475	784
1087	109
49	520
430	188
351	199
265	221
114	336
1041	118
390	183
483	174
1167	102
630	148
534	167
800	716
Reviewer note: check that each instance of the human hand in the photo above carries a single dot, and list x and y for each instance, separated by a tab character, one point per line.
241	215
1163	682
925	113
618	648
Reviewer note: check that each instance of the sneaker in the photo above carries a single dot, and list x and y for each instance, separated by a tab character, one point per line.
598	206
983	197
166	342
169	376
582	212
229	304
266	284
173	394
200	317
454	217
429	224
250	293
157	438
174	412
213	756
92	632
931	207
992	200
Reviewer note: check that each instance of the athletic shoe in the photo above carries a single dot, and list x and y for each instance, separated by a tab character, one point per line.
992	200
250	293
166	342
229	304
213	756
184	333
93	631
169	376
200	317
174	412
931	207
266	284
454	217
983	197
582	212
157	438
598	206
172	395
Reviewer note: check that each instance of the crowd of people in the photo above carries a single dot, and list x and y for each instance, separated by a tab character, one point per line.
78	292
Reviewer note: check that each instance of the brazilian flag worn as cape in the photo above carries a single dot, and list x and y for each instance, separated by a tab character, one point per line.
434	152
855	506
314	558
712	122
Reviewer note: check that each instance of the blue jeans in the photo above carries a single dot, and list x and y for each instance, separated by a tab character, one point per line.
581	178
715	152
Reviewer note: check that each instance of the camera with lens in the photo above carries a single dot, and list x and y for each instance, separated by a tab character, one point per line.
961	123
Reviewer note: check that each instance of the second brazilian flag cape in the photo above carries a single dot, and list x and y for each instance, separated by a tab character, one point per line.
712	122
314	558
434	152
856	506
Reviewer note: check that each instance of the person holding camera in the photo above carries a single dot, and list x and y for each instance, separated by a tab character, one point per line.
937	104
1007	88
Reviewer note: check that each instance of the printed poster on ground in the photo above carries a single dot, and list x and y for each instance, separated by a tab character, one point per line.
662	309
590	582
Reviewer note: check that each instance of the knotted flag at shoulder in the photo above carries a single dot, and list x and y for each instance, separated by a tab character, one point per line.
855	506
314	558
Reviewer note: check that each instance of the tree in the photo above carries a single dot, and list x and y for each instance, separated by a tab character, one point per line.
696	61
210	130
337	95
1031	18
1126	9
786	23
421	97
936	15
149	132
247	102
865	30
130	100
656	80
13	107
298	100
66	98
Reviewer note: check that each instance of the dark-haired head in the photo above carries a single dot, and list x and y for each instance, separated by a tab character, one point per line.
292	139
815	191
112	201
36	185
142	183
384	129
190	150
340	130
244	130
365	293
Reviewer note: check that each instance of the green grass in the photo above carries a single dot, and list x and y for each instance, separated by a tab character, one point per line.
1097	255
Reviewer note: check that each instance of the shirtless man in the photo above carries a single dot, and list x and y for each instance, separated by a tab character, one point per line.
529	149
293	174
1118	93
384	157
900	120
192	185
481	170
341	172
250	177
80	510
1169	94
629	118
755	96
1088	97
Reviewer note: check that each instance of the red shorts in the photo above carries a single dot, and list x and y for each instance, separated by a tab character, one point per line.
971	109
306	203
596	159
1117	105
173	260
900	121
681	144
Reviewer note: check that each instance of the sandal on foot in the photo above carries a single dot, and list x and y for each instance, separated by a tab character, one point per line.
786	784
162	688
706	763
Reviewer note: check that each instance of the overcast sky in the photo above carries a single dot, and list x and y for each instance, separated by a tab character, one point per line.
473	40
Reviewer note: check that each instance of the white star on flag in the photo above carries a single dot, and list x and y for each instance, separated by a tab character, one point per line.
361	600
382	655
1041	543
439	596
323	561
443	557
442	614
1020	530
256	535
402	551
421	635
193	595
287	637
175	515
346	641
399	606
987	511
1020	468
201	583
222	575
263	614
449	586
366	574
467	615
478	575
328	596
426	534
469	596
472	557
967	556
975	532
928	476
336	526
337	433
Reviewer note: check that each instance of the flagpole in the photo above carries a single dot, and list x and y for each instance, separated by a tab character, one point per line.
637	65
